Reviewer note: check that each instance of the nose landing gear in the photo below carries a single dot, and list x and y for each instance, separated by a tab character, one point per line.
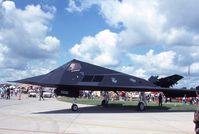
74	106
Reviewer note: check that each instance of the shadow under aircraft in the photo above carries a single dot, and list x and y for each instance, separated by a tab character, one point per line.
74	76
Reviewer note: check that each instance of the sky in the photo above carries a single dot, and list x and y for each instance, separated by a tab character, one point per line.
138	37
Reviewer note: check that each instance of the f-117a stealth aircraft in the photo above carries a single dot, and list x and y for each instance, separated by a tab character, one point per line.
74	76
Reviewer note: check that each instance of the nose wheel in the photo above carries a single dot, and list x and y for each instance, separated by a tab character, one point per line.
74	107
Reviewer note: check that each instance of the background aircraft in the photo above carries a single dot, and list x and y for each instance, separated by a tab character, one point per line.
76	75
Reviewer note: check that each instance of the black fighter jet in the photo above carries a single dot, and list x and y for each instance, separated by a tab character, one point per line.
76	75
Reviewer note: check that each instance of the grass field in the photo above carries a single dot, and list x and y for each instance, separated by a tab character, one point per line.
172	106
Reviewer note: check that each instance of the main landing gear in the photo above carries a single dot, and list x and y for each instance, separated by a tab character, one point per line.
105	99
141	106
74	106
104	103
142	101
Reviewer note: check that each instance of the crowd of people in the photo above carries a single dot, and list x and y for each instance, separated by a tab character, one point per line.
7	91
146	97
124	96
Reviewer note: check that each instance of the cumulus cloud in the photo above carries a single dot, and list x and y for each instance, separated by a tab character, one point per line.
148	22
32	69
50	44
162	64
133	70
139	18
194	68
155	63
182	37
170	25
180	13
24	36
100	49
74	8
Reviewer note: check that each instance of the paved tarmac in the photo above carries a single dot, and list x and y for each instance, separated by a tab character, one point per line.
30	116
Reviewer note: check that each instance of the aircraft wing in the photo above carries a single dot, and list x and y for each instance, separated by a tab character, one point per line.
31	80
76	75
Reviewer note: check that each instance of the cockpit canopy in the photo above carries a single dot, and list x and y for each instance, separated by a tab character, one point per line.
74	66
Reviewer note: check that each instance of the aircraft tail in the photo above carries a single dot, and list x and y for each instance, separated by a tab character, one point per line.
153	79
197	88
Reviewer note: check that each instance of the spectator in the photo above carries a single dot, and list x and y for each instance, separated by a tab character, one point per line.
19	93
8	94
142	97
184	99
1	92
160	99
196	121
41	94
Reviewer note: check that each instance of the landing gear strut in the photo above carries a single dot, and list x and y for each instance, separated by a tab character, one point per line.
74	106
104	103
141	106
142	101
105	100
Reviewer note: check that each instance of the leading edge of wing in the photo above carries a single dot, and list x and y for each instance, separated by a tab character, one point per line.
31	80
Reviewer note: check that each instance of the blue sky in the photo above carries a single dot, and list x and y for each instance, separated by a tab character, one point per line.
142	38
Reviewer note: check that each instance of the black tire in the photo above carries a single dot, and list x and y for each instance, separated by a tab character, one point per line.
74	107
141	106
